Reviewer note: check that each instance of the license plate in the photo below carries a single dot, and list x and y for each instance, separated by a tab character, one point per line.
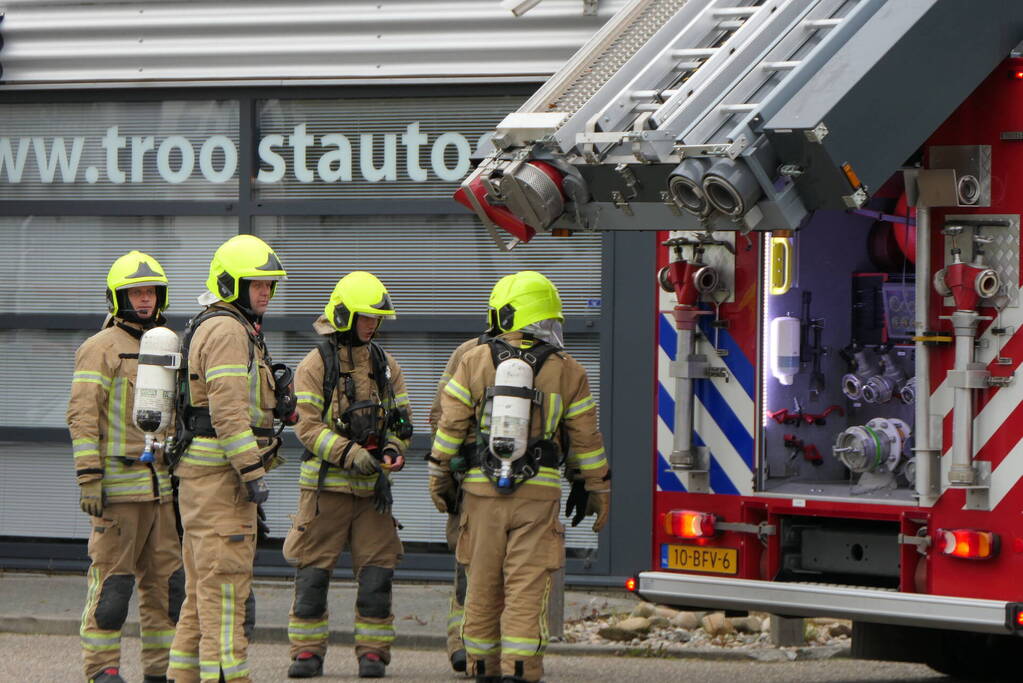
697	559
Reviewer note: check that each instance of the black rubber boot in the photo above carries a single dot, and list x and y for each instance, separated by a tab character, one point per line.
306	665
371	666
108	675
458	661
154	679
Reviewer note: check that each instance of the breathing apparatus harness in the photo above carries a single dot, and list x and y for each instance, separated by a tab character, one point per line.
540	451
157	320
192	421
367	422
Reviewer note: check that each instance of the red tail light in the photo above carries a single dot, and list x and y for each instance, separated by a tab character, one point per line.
631	584
689	524
970	544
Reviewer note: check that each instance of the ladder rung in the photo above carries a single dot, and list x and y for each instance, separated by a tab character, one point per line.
729	108
779	66
735	12
687	66
647	106
695	52
648	94
730	25
821	23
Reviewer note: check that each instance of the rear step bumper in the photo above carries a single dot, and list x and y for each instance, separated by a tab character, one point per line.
817	599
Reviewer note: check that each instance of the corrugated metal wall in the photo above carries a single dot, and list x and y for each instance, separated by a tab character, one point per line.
67	44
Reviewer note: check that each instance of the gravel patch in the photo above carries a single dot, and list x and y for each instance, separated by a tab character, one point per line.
658	630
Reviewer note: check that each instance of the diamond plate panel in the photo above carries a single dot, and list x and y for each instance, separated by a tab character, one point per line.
1001	254
632	37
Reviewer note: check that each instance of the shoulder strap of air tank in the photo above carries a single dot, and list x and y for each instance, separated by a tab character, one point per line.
328	354
381	370
536	356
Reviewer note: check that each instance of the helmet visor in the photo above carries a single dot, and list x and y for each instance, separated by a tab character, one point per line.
148	283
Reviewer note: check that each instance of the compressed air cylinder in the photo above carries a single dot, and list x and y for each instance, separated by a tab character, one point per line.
785	348
155	383
509	426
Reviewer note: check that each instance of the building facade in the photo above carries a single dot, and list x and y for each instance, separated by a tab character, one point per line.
335	131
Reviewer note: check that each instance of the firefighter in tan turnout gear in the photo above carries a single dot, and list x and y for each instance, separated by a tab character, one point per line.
356	425
527	396
456	611
134	534
227	443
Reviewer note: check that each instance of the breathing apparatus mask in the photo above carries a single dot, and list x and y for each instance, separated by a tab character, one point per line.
286	402
363	422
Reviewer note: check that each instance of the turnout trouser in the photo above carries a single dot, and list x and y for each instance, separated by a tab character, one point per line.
326	522
132	542
219	548
512	546
456	610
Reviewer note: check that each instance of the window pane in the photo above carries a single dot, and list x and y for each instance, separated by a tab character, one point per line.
62	262
431	265
371	148
126	150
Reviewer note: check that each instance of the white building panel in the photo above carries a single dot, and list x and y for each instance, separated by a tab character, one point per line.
87	44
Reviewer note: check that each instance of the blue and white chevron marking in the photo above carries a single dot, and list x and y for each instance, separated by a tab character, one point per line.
724	412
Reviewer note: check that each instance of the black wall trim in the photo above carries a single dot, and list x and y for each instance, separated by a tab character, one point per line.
468	325
70	556
290	207
133	93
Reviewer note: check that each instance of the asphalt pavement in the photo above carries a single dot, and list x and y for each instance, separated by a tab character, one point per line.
56	659
40	615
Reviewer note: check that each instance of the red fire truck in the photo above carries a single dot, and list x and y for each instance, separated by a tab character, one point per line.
838	420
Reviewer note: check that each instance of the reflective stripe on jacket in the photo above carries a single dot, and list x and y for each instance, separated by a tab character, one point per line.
318	435
568	409
105	442
229	376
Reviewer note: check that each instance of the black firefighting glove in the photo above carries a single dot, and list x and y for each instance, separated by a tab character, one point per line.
577	500
262	528
258	490
382	497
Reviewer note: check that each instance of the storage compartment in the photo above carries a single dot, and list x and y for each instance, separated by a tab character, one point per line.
838	418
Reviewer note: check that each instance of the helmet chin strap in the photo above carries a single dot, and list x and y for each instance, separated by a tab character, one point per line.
243	303
350	336
128	313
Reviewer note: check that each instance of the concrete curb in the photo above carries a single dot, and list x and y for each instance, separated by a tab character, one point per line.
428	641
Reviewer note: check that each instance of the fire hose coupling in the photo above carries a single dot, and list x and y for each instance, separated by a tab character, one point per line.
521	195
874	447
688	280
685	186
865	365
877	378
967	283
907	392
731	188
881	387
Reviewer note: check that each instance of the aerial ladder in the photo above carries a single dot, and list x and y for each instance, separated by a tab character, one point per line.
734	114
